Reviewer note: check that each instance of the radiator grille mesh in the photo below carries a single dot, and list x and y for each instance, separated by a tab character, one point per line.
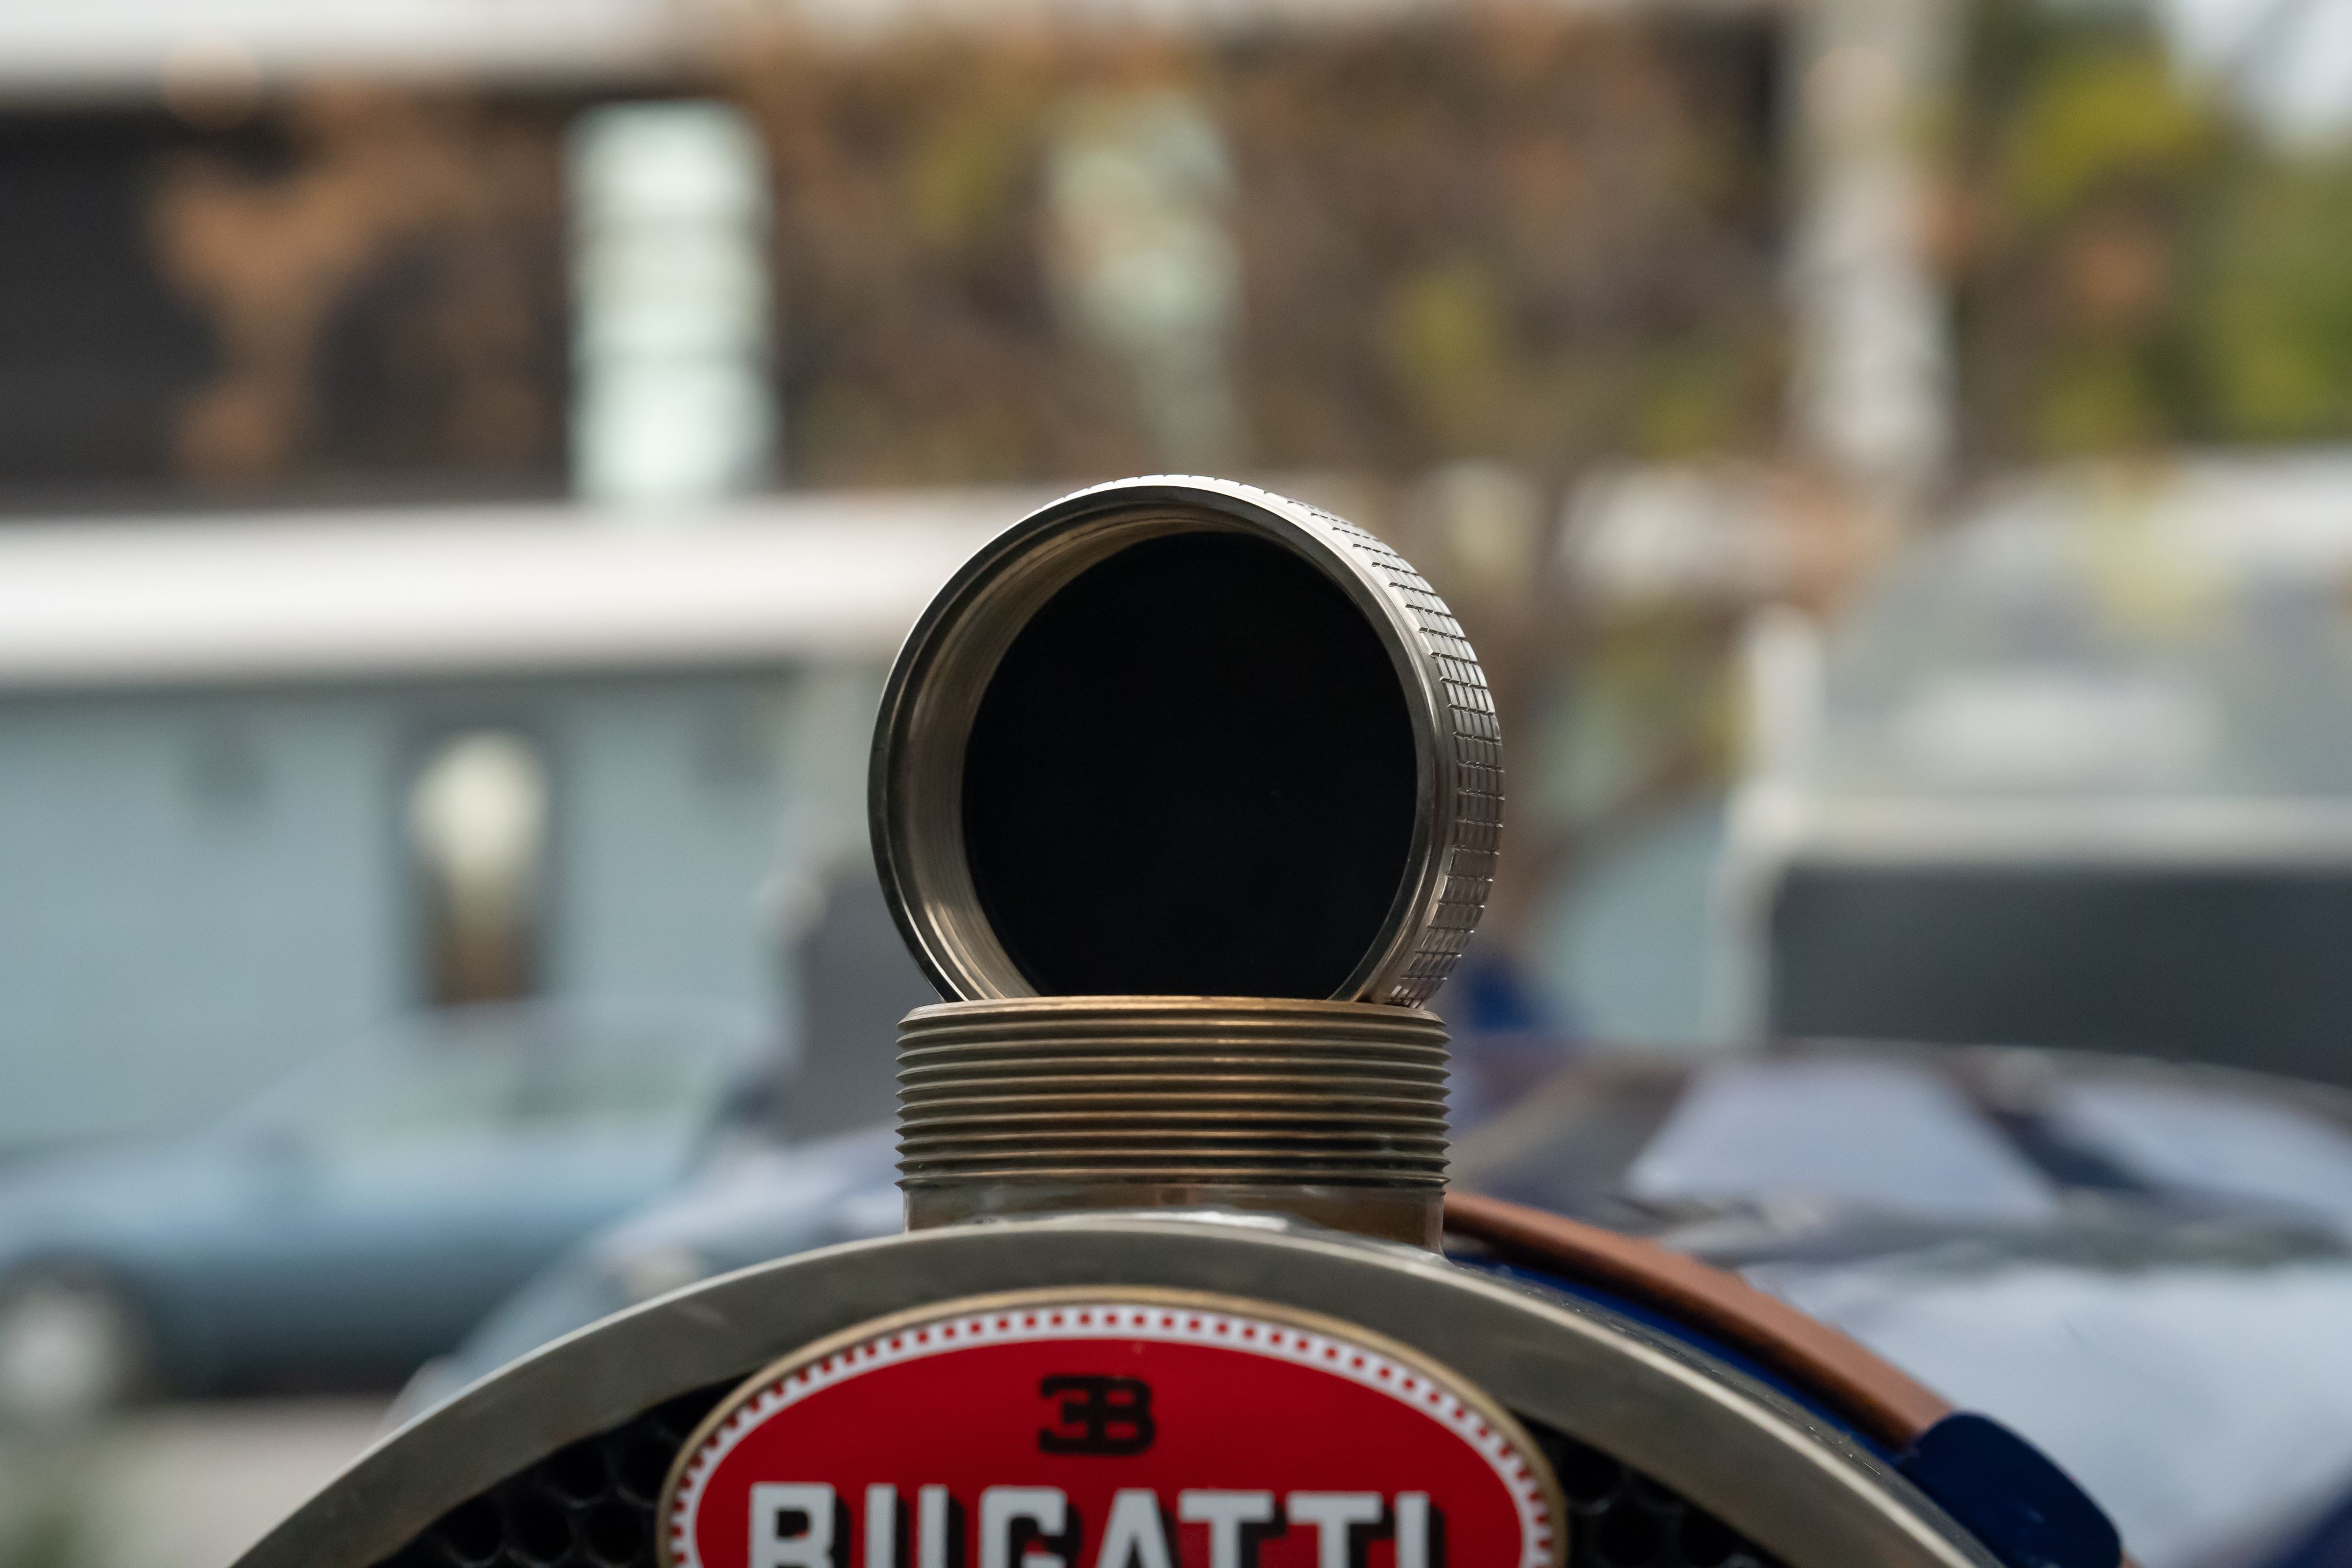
590	1505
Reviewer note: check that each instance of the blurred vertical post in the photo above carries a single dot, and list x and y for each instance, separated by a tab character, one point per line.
672	395
1872	398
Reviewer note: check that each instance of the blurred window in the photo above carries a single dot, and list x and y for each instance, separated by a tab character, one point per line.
671	398
1139	187
98	350
477	842
2235	964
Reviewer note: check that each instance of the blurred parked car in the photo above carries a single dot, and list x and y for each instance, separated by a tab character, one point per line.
2073	772
756	1203
793	1180
361	1216
2144	1268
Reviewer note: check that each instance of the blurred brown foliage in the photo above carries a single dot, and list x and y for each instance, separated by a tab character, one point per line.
1500	232
382	269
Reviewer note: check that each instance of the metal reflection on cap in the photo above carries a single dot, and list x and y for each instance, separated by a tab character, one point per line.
1181	736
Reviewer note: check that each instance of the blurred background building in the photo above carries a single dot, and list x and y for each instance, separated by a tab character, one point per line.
664	271
1630	323
464	468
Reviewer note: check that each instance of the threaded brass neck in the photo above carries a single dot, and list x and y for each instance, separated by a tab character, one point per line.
1333	1112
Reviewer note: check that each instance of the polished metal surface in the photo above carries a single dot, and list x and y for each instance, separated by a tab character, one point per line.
1765	1466
1334	1111
917	803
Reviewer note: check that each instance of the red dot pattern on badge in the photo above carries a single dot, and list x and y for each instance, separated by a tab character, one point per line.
1232	1333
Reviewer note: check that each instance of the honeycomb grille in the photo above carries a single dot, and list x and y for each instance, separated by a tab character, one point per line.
1619	1518
590	1505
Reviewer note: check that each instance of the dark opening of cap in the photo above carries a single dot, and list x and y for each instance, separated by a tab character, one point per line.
1192	773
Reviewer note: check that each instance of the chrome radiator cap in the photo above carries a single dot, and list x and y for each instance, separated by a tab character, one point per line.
1180	736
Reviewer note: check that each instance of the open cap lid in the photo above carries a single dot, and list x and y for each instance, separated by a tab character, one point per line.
1179	737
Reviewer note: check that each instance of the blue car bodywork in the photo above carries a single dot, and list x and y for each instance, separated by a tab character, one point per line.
2020	1230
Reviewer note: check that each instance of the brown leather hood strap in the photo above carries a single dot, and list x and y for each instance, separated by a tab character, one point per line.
1879	1401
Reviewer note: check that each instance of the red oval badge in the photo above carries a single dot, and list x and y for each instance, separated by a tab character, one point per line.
1136	1430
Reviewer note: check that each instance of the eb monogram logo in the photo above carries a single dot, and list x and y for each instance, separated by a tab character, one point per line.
1112	1414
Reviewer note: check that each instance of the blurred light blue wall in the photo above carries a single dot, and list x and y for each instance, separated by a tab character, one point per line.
199	891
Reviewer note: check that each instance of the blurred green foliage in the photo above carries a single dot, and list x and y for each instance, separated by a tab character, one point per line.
1501	232
2136	267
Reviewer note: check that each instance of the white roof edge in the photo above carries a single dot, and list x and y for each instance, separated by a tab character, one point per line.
106	50
477	589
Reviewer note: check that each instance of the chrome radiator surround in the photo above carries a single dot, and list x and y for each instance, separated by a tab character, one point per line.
1780	1476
